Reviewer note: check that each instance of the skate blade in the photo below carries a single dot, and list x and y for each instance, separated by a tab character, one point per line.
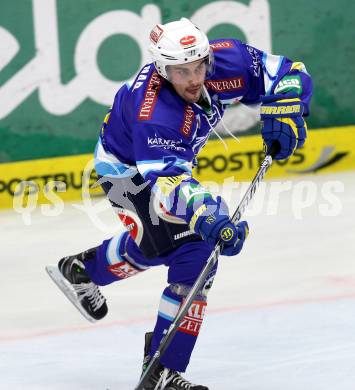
67	289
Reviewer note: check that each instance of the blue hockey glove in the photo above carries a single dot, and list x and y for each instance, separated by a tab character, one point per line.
212	222
282	121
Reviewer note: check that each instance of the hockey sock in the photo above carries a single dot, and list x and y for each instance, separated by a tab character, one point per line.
177	355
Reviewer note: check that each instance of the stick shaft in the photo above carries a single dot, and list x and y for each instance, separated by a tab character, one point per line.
166	340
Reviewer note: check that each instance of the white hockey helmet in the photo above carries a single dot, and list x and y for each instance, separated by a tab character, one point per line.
177	43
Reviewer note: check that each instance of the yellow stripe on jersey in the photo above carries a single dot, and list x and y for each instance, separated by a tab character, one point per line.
105	122
298	66
167	184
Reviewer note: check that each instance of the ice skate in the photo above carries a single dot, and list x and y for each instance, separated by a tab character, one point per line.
164	378
70	276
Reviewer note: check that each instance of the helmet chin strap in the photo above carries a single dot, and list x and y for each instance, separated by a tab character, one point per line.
205	103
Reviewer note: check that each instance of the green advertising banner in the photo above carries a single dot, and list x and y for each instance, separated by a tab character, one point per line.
62	61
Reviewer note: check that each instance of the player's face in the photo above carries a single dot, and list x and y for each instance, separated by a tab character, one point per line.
188	79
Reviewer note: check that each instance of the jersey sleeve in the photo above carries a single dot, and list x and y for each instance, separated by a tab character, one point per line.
279	74
165	162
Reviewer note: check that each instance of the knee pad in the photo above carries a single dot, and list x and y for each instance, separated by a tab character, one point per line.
183	290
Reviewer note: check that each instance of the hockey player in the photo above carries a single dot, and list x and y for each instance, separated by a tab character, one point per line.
144	158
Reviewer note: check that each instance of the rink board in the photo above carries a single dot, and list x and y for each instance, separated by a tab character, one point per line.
48	181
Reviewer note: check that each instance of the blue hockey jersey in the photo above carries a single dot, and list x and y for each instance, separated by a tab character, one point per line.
152	130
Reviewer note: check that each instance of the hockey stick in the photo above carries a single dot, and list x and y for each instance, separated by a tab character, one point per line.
166	340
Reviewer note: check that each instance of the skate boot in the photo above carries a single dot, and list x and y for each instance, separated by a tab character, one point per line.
71	278
164	378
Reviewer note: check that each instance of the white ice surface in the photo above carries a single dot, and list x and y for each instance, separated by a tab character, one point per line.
281	315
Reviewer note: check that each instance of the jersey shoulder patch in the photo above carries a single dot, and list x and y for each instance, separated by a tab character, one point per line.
230	72
222	44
